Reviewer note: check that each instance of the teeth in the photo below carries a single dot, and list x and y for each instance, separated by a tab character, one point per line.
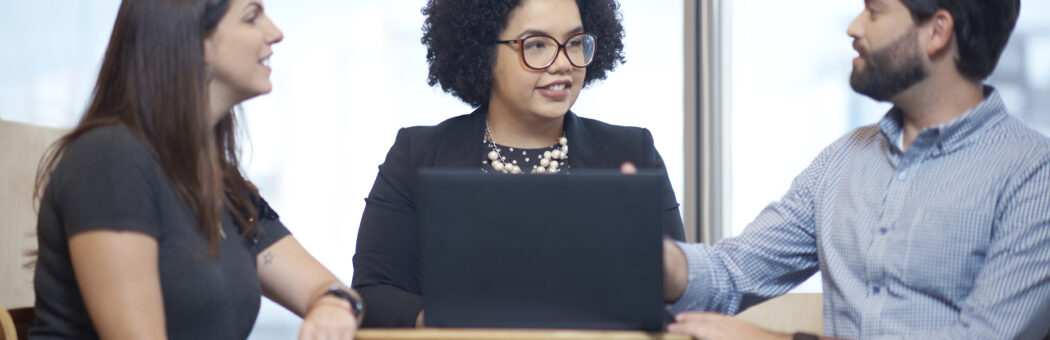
266	62
558	87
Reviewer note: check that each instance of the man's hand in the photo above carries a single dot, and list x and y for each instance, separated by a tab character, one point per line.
676	271
716	326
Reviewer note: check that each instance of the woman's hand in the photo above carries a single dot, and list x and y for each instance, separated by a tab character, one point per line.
329	318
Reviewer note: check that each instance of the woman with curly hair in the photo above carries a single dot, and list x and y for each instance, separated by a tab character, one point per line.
522	64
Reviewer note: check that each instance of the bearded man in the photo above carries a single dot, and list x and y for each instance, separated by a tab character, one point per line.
932	223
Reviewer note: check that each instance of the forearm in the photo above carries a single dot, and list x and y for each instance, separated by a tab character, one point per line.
676	272
287	259
389	306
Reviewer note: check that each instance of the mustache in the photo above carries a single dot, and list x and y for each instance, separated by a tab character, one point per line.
861	50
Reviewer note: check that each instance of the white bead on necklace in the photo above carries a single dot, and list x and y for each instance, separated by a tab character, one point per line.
550	163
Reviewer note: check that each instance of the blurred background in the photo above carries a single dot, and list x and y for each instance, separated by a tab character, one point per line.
350	73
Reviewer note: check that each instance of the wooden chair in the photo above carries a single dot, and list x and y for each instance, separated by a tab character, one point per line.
7	326
15	323
789	313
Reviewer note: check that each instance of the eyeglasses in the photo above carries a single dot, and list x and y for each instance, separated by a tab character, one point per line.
539	51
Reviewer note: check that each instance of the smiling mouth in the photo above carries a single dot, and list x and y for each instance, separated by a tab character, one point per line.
557	86
557	91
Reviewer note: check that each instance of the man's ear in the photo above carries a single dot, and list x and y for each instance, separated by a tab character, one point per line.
941	30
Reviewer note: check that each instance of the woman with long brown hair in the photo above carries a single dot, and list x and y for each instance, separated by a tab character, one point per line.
147	227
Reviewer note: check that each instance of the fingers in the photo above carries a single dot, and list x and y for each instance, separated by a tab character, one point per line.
697	325
695	331
328	323
628	168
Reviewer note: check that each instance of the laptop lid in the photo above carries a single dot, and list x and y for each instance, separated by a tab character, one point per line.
580	250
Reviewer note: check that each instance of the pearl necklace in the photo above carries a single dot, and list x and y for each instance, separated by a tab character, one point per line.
549	164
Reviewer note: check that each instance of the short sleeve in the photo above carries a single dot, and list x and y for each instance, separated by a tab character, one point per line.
271	229
107	179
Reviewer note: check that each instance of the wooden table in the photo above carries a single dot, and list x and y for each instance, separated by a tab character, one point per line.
508	334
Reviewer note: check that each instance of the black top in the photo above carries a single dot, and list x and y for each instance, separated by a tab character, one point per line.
108	180
386	265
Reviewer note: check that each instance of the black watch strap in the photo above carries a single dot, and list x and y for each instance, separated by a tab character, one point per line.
804	336
357	307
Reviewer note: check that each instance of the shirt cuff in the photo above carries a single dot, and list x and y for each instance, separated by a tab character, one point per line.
698	291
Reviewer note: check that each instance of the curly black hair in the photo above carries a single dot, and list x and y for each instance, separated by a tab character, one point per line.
459	35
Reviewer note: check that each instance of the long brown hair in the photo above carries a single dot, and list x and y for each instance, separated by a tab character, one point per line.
153	81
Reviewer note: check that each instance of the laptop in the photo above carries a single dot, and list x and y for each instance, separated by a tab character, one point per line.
568	251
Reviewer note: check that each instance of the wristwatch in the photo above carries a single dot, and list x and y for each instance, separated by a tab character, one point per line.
804	336
357	307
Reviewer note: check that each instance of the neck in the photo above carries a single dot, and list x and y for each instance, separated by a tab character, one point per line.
220	103
524	131
936	101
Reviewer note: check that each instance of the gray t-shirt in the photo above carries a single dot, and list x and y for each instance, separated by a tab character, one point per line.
108	180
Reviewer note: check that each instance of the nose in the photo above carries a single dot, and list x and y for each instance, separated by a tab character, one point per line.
274	35
561	62
855	30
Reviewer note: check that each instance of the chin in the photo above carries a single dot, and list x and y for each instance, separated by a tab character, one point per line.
551	113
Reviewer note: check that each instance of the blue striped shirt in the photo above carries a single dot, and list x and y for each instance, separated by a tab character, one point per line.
950	239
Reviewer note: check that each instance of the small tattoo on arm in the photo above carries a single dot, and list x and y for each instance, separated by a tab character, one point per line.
268	258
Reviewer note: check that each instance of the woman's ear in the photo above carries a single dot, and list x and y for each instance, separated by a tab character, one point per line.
209	50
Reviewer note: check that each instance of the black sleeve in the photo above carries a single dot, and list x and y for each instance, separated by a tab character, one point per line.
386	264
671	218
107	179
271	229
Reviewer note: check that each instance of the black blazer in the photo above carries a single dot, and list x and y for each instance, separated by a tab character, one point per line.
386	265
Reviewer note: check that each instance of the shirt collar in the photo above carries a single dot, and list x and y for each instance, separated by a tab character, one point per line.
949	136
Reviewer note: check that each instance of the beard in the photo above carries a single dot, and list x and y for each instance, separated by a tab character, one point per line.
890	70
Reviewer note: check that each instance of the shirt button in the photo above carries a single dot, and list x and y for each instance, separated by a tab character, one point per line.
875	289
883	231
902	175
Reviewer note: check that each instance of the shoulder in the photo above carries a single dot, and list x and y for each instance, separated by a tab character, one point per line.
864	137
451	126
109	142
1016	133
1030	148
616	133
630	139
422	146
109	149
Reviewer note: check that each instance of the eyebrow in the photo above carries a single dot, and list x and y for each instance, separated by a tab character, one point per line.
578	29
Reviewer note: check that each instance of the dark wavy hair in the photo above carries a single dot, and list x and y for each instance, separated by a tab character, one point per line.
459	35
982	29
154	82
